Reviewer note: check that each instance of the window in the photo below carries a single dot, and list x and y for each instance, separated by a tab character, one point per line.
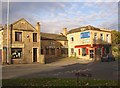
72	50
64	50
107	37
83	51
34	37
101	37
47	51
18	36
72	38
91	53
16	53
95	37
52	51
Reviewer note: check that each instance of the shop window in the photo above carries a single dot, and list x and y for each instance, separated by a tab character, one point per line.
34	37
83	51
18	36
52	51
98	51
16	53
107	50
72	50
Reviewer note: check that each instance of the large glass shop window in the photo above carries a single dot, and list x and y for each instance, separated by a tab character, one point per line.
83	51
16	53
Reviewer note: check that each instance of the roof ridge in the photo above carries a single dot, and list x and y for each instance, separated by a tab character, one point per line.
50	33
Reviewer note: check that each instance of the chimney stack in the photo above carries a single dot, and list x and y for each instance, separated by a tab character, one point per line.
89	27
64	31
38	26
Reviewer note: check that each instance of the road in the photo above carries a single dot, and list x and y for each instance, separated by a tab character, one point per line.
63	68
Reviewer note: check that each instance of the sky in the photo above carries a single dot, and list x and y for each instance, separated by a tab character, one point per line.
54	16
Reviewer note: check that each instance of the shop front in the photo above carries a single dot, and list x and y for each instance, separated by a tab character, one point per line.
94	52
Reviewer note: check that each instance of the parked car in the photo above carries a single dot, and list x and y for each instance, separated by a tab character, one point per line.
107	58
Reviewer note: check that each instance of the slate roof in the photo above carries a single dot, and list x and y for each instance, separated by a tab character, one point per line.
50	36
89	27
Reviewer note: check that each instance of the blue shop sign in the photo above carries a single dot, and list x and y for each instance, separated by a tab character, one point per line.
85	35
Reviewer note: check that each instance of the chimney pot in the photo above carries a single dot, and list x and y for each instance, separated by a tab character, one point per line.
38	26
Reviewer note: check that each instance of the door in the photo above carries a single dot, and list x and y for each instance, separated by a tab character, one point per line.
91	53
34	54
78	51
58	52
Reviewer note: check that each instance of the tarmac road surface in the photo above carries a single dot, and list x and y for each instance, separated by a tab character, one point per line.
63	68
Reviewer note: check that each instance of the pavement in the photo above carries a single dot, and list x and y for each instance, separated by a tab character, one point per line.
63	68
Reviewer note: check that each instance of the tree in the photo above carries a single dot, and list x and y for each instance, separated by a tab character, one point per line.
115	36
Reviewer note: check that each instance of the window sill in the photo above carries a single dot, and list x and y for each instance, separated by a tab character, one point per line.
34	42
16	58
18	42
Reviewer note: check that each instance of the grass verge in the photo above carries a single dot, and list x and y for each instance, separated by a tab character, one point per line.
58	82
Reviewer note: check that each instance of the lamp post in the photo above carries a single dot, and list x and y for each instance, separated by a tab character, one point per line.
8	32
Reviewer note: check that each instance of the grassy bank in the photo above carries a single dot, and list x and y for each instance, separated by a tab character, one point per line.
58	82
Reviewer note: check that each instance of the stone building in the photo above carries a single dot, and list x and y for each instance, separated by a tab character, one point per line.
53	45
26	44
21	42
89	42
